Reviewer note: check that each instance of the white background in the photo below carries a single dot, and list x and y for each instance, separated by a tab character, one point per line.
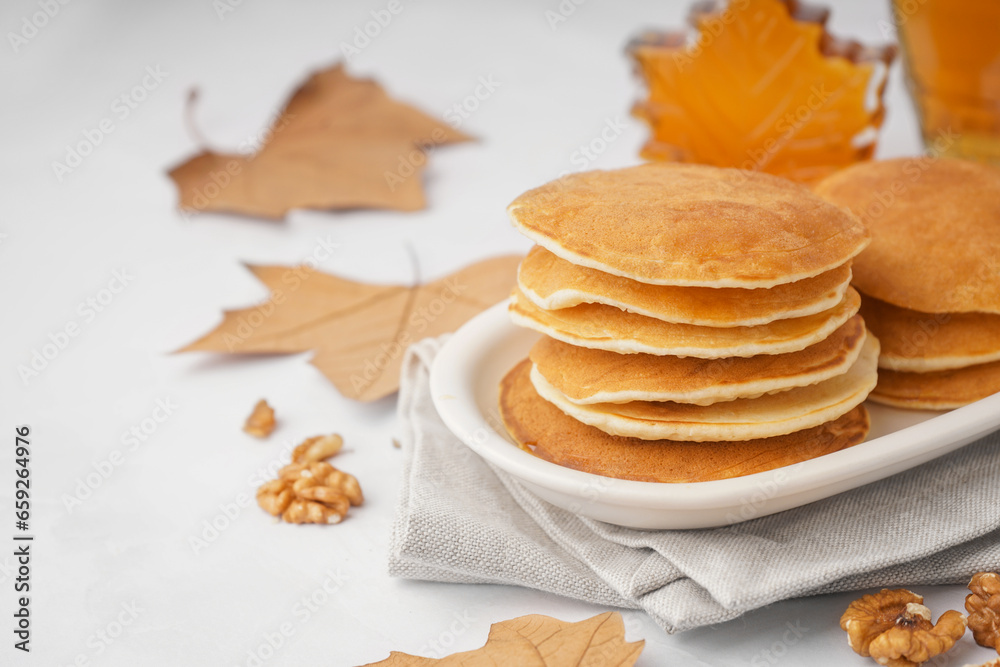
128	542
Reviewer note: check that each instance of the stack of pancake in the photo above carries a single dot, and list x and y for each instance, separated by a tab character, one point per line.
931	276
698	324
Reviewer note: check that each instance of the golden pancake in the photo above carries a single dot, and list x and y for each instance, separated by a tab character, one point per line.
537	425
740	419
940	390
588	376
685	224
922	342
601	327
935	227
552	283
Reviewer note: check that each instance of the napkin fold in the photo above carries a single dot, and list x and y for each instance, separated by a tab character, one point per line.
459	519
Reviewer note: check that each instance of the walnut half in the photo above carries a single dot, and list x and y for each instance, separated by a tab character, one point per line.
261	421
317	448
983	605
894	628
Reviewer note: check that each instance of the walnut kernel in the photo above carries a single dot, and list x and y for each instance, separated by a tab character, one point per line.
261	421
983	605
275	496
894	628
317	448
321	473
304	510
313	492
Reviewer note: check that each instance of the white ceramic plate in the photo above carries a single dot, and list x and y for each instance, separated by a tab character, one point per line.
465	381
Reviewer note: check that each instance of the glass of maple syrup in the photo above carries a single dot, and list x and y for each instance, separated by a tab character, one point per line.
951	53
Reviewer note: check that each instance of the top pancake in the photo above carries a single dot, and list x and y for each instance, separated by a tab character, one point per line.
689	225
935	227
552	283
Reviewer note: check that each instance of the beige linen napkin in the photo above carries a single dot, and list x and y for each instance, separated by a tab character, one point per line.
460	520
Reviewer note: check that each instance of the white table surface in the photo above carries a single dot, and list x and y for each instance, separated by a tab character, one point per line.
124	553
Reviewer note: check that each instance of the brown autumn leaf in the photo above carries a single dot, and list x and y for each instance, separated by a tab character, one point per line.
339	143
359	331
541	641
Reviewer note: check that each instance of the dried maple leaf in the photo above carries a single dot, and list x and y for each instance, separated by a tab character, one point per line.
340	143
764	87
359	331
541	641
